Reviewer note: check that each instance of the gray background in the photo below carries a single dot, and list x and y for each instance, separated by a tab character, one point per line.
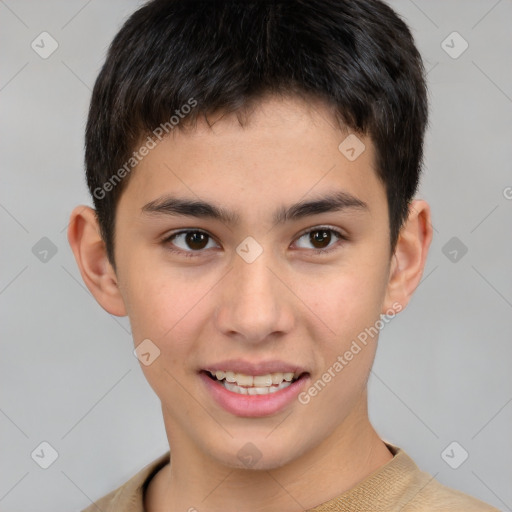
68	374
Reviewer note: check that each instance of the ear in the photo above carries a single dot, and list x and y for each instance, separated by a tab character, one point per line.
89	249
409	257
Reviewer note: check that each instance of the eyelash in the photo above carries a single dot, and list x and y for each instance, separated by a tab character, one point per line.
192	254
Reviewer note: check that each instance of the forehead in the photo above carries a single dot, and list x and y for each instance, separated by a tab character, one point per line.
285	149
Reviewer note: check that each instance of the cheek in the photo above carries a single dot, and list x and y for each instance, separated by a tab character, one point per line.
170	308
155	297
349	304
346	301
346	356
168	315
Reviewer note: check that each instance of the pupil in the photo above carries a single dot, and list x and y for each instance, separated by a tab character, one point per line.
324	238
196	240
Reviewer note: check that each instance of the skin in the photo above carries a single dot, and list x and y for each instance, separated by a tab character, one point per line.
289	304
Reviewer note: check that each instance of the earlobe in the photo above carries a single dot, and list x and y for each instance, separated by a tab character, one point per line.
89	249
409	258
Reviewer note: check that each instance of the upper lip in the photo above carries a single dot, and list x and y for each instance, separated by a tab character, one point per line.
259	368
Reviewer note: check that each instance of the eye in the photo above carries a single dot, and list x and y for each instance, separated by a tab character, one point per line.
189	242
193	242
321	238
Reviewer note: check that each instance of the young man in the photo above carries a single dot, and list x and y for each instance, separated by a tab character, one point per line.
253	167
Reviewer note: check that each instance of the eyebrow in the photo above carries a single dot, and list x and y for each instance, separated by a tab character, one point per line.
176	206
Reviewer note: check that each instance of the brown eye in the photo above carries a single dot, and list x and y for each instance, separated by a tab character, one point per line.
189	242
320	238
196	240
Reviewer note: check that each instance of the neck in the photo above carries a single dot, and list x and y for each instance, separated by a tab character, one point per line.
195	481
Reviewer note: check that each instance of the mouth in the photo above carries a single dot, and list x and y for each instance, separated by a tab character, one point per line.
244	384
254	389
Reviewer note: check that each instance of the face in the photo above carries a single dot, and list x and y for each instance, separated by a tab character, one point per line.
255	282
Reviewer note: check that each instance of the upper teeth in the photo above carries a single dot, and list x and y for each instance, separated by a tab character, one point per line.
254	380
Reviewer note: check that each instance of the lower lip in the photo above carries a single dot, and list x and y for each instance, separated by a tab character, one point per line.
252	406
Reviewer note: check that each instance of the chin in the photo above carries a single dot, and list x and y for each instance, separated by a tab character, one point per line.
259	453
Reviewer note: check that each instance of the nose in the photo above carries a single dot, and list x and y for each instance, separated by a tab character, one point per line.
254	302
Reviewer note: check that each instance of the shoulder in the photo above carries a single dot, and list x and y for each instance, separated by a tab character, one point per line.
433	495
104	503
401	486
129	497
409	489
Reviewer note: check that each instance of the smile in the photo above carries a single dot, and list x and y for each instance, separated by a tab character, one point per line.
254	384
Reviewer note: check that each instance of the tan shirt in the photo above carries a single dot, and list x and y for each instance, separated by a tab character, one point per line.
397	486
